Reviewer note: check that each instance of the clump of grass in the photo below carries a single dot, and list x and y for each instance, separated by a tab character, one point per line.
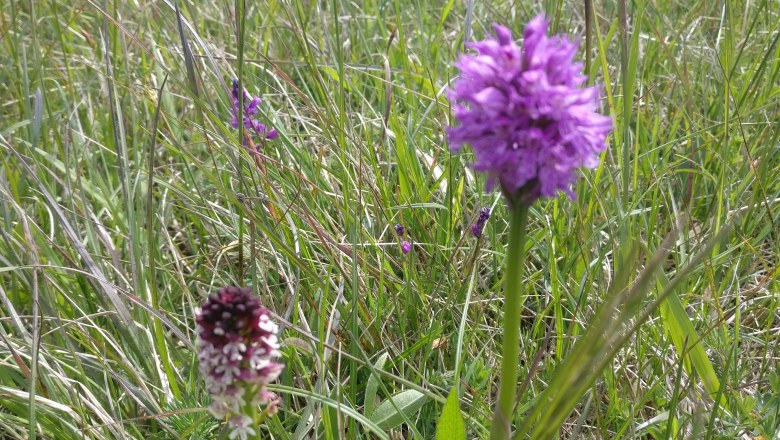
123	203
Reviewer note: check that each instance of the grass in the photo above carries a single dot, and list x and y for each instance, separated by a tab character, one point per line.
126	198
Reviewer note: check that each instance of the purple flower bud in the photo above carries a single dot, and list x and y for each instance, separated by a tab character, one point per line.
476	228
253	107
237	343
406	247
525	113
399	229
234	89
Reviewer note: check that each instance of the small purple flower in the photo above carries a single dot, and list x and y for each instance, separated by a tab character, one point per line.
526	114
476	228
399	229
406	247
237	343
251	107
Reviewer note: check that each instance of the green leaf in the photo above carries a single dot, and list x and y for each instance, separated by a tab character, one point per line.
373	385
681	329
391	412
451	425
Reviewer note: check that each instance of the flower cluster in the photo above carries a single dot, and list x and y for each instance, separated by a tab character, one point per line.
406	246
476	228
254	127
237	343
526	114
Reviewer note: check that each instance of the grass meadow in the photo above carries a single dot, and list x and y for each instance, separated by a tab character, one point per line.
126	198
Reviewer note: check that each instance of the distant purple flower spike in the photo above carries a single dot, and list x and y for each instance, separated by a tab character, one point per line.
526	114
399	229
237	343
251	107
476	228
406	247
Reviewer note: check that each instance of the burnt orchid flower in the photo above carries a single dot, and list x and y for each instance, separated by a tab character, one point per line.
237	344
399	229
406	247
526	113
255	128
476	228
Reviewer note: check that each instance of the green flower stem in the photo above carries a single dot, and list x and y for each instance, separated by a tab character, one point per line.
257	419
513	296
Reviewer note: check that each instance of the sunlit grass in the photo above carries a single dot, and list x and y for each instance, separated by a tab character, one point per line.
124	203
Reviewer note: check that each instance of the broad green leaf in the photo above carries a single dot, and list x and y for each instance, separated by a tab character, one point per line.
451	426
373	385
681	329
391	412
